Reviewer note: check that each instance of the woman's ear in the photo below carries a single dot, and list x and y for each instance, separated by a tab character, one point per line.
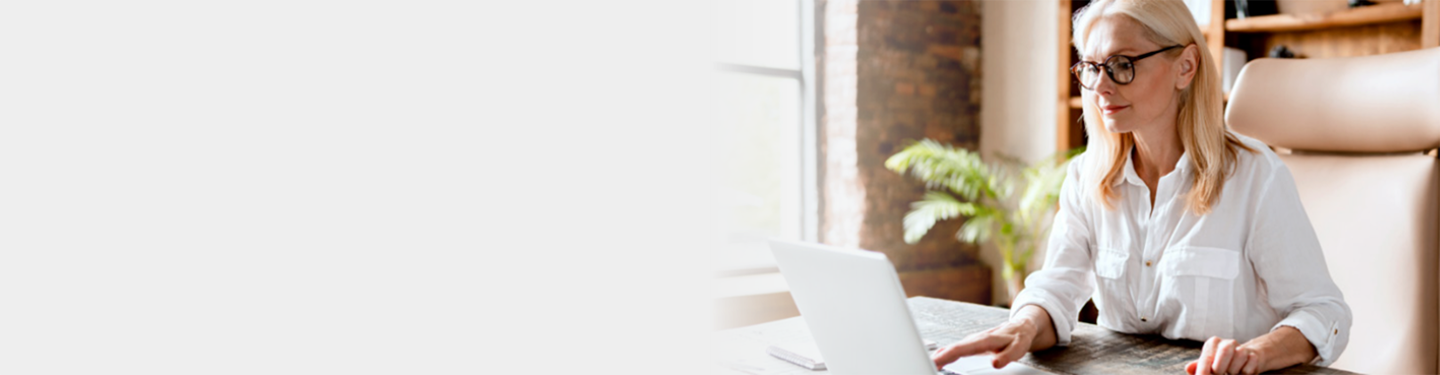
1187	65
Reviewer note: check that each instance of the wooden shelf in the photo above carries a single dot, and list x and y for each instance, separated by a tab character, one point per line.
1367	15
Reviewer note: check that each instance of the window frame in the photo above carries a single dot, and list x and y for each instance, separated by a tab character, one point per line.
804	213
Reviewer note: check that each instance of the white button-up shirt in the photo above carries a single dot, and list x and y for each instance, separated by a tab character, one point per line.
1253	264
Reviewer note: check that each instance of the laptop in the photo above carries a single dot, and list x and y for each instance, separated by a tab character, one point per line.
855	308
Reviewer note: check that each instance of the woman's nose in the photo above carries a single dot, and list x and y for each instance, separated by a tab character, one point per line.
1105	85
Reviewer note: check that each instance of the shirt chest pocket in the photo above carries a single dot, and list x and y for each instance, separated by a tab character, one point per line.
1110	270
1202	280
1110	263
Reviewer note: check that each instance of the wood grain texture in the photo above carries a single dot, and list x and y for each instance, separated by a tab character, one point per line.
1062	110
1093	350
1430	24
1368	15
1215	32
1350	41
1070	132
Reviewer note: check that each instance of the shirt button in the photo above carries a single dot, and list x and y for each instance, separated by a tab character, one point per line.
1147	263
1142	318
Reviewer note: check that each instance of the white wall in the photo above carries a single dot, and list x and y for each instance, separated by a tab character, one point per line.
1017	107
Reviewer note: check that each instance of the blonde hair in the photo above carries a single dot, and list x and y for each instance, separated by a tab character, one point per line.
1200	121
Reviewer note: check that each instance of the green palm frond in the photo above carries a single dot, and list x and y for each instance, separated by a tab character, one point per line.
976	229
936	206
938	165
986	195
1042	185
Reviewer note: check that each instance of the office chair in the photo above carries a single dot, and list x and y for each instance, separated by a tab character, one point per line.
1358	130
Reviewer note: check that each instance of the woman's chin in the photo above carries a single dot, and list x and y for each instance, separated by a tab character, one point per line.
1116	126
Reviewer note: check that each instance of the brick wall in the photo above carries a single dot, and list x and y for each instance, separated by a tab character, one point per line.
842	196
916	74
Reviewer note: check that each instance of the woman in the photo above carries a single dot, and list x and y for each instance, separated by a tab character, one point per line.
1187	230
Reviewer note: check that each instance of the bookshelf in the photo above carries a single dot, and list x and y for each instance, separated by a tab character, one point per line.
1369	15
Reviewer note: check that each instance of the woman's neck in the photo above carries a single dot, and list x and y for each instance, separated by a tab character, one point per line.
1156	152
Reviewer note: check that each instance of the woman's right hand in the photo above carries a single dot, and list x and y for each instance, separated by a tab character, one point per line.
1009	341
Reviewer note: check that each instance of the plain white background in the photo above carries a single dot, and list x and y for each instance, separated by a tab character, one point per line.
300	187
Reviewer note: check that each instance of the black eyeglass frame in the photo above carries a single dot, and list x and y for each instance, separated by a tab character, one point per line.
1074	69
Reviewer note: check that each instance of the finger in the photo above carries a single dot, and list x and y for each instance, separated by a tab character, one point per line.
970	346
942	358
1238	361
1190	367
1252	365
1223	353
1012	352
1207	356
955	351
939	352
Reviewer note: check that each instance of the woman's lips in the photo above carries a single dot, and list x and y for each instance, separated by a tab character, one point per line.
1111	109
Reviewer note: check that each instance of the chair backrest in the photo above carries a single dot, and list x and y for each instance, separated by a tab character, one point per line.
1358	128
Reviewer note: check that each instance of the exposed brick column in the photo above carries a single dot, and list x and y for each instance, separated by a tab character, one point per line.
843	209
896	71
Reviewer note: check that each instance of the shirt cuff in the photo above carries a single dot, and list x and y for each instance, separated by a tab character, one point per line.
1037	297
1319	334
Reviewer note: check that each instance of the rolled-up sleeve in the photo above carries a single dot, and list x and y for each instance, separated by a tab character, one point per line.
1286	254
1067	277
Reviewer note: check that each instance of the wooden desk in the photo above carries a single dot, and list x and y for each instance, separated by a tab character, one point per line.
1093	350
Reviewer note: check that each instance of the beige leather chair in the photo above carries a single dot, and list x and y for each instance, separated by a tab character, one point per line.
1358	128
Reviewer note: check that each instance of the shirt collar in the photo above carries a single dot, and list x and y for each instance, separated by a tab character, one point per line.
1182	166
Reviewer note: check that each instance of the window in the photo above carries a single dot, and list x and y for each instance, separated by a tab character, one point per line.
763	102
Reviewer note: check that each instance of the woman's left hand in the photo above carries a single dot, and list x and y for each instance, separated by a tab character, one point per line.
1227	357
1281	348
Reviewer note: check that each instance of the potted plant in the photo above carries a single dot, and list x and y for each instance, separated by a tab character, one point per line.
960	184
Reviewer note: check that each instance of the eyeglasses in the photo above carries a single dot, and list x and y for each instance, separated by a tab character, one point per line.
1120	68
